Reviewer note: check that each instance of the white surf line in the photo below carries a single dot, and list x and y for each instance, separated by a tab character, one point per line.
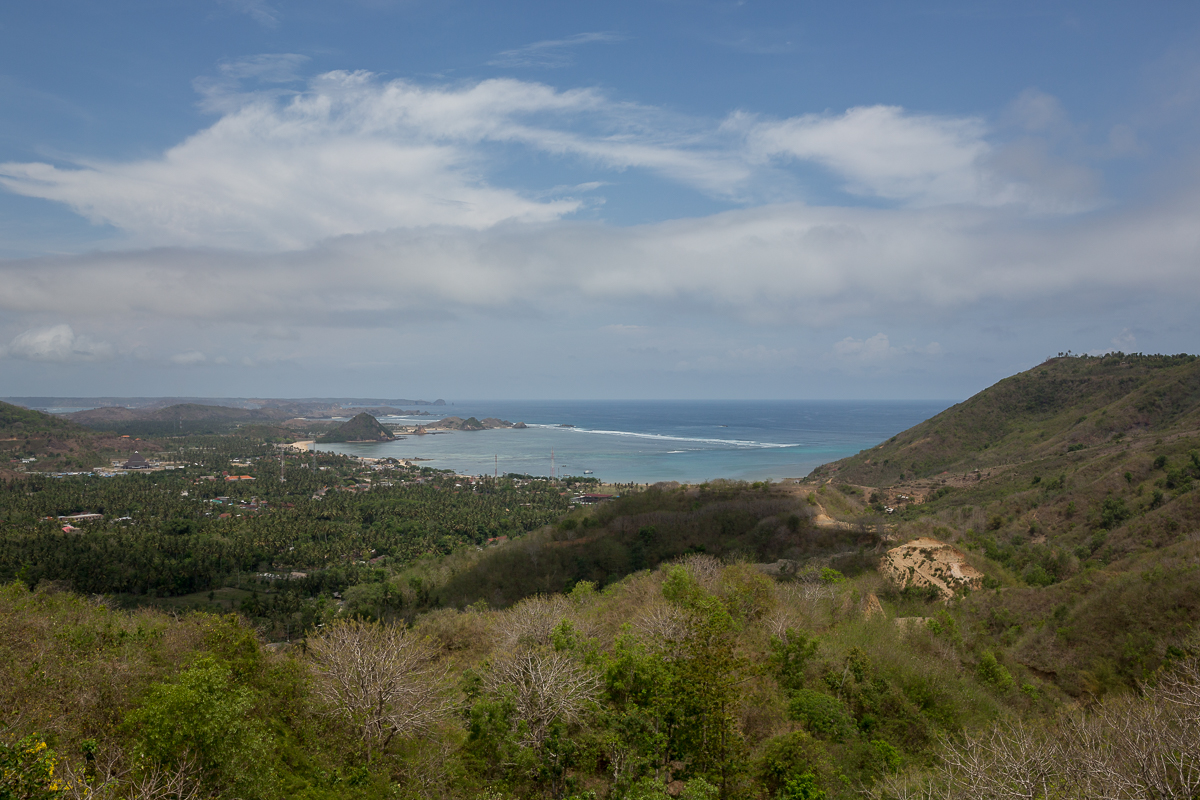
667	438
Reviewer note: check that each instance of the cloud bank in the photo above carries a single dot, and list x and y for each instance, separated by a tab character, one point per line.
358	203
57	344
351	154
785	264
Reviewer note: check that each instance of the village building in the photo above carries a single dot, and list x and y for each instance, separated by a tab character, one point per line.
136	461
81	517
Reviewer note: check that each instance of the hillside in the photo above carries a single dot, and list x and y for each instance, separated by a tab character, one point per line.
16	419
32	439
1074	486
182	412
361	428
1064	405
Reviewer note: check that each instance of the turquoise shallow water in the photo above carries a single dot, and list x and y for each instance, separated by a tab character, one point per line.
641	441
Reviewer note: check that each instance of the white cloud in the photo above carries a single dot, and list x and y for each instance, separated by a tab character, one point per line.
259	10
551	52
1125	340
267	73
280	332
57	344
351	154
787	264
1037	112
879	349
189	359
886	152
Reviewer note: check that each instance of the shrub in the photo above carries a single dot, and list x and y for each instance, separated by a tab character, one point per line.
831	575
27	771
206	714
790	655
802	787
1037	575
993	673
651	789
824	715
1113	512
788	756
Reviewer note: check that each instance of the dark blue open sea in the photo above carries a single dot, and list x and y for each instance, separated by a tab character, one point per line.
644	441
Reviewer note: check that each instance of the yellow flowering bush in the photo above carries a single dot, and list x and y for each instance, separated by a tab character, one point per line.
27	771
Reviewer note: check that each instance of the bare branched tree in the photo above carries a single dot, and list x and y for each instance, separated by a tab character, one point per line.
180	782
1145	746
531	621
110	776
910	787
547	687
660	621
382	679
101	781
1012	761
704	568
1136	747
1181	687
783	619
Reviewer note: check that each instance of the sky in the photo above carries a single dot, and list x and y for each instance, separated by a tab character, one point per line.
651	199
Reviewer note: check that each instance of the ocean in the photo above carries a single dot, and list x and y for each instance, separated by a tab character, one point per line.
644	441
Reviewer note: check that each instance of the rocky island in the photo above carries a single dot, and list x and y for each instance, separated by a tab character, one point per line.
361	428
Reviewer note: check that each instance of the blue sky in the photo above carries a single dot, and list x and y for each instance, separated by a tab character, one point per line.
587	200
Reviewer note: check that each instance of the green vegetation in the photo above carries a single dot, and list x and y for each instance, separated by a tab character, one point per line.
621	692
331	525
411	633
18	420
1062	406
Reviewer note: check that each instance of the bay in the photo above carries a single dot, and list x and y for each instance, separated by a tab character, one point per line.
642	441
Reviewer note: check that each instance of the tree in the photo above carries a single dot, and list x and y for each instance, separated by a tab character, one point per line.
382	679
202	719
703	675
547	687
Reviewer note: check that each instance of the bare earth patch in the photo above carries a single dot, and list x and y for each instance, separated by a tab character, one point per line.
929	562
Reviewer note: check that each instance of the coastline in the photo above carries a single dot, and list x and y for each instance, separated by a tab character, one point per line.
648	442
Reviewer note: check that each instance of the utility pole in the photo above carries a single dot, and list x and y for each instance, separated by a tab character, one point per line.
552	464
281	478
496	474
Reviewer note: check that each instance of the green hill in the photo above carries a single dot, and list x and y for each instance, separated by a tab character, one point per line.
1074	487
176	420
20	420
52	442
361	428
1064	405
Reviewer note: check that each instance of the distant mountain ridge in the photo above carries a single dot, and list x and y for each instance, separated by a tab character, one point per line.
228	402
186	412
